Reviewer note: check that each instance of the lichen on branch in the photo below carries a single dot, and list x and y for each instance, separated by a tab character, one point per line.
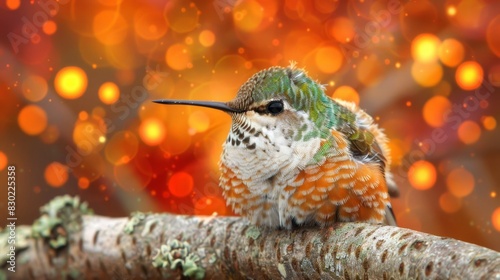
161	246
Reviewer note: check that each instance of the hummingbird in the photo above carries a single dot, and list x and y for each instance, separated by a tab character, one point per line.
296	157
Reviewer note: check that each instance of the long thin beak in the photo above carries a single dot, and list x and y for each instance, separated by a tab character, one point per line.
209	104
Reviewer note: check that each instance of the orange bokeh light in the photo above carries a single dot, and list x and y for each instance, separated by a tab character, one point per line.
150	24
424	48
180	184
50	134
178	57
342	29
492	37
328	59
422	175
435	110
49	27
32	120
121	148
248	15
495	219
182	16
34	88
71	82
451	52
427	74
110	27
109	93
469	132
489	123
83	183
206	38
469	75
152	131
460	182
87	135
199	121
346	93
369	70
450	203
56	174
3	160
13	4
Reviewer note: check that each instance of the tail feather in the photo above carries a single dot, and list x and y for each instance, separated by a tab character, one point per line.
392	188
390	219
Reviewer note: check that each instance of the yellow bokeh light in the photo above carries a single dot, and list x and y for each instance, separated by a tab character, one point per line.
422	175
460	182
56	174
489	122
469	132
248	15
32	120
451	10
199	121
427	74
424	48
49	27
152	131
70	82
3	160
435	109
451	52
178	57
495	219
450	203
121	148
328	59
109	93
346	93
206	38
34	88
469	75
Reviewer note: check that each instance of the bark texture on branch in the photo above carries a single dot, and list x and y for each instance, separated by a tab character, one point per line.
229	247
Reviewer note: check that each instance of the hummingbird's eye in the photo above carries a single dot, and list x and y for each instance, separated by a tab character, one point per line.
275	107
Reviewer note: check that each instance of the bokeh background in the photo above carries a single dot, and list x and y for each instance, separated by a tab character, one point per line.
77	79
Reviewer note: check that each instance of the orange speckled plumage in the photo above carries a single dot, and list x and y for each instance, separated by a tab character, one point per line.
339	189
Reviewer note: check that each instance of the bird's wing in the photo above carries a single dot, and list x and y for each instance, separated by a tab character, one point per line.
363	143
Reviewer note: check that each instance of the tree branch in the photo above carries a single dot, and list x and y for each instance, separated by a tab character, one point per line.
229	247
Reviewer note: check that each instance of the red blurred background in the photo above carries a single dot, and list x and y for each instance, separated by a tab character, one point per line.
77	79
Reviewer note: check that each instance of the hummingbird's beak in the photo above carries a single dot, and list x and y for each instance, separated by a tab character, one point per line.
209	104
